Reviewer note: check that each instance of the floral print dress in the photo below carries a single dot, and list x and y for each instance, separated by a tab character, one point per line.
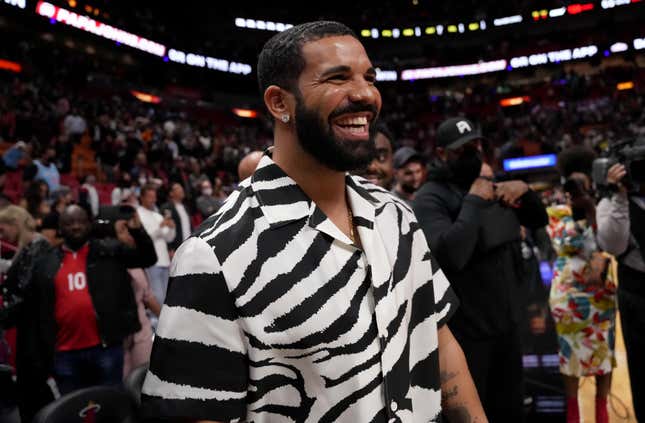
584	312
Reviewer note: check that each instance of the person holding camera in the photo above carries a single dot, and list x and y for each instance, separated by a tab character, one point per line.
621	231
162	230
81	306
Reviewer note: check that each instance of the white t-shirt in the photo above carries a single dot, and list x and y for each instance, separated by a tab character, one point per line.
185	221
151	221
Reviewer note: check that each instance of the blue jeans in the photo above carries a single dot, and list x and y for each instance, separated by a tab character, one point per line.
158	276
93	366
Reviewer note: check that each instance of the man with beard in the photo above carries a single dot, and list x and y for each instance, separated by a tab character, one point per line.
380	171
473	227
311	294
80	306
410	173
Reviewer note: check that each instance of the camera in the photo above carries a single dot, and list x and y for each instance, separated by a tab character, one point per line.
631	153
108	215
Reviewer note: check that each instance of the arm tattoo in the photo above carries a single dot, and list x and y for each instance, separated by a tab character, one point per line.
446	376
447	395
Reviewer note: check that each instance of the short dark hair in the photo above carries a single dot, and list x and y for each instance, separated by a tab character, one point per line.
576	159
147	187
382	128
281	63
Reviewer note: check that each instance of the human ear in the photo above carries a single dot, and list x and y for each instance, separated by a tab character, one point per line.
280	103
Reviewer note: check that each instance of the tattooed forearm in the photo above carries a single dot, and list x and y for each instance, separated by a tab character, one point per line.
448	394
446	376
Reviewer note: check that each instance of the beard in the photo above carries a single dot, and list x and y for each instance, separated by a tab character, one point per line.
466	168
76	242
318	139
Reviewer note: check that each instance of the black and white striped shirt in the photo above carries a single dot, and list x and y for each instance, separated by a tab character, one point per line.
273	315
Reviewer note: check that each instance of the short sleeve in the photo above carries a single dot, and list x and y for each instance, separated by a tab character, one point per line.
445	299
198	367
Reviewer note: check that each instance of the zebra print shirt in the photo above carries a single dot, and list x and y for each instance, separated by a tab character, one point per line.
273	315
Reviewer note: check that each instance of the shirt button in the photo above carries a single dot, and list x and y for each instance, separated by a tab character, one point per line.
394	406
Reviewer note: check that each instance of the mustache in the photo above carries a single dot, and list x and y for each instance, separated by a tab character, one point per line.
354	108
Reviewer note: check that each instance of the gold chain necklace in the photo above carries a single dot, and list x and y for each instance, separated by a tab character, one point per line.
351	224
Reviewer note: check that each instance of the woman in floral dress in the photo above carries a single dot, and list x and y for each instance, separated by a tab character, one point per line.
582	298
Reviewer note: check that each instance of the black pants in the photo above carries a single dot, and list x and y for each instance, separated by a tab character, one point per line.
495	364
631	303
33	394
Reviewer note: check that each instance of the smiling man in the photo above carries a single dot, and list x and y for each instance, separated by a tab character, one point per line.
311	295
380	171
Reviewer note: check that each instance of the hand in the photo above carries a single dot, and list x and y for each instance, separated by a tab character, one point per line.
486	172
510	191
483	189
122	233
615	175
134	222
538	325
168	222
597	269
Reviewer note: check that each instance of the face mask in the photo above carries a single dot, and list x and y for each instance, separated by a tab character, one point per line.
207	191
408	188
465	169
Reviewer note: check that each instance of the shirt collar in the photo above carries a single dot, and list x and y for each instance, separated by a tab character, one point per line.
282	201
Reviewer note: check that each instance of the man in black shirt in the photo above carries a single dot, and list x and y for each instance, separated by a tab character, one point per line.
473	227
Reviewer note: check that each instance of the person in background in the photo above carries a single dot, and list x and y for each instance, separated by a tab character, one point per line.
138	346
82	306
218	190
176	210
4	199
36	200
206	203
48	227
583	297
380	171
124	189
61	198
247	165
620	217
162	230
46	169
13	156
409	173
74	125
89	196
473	226
19	228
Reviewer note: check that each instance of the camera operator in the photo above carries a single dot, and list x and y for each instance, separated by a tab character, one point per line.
621	231
81	306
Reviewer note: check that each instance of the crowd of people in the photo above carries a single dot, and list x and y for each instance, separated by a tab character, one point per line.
194	232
